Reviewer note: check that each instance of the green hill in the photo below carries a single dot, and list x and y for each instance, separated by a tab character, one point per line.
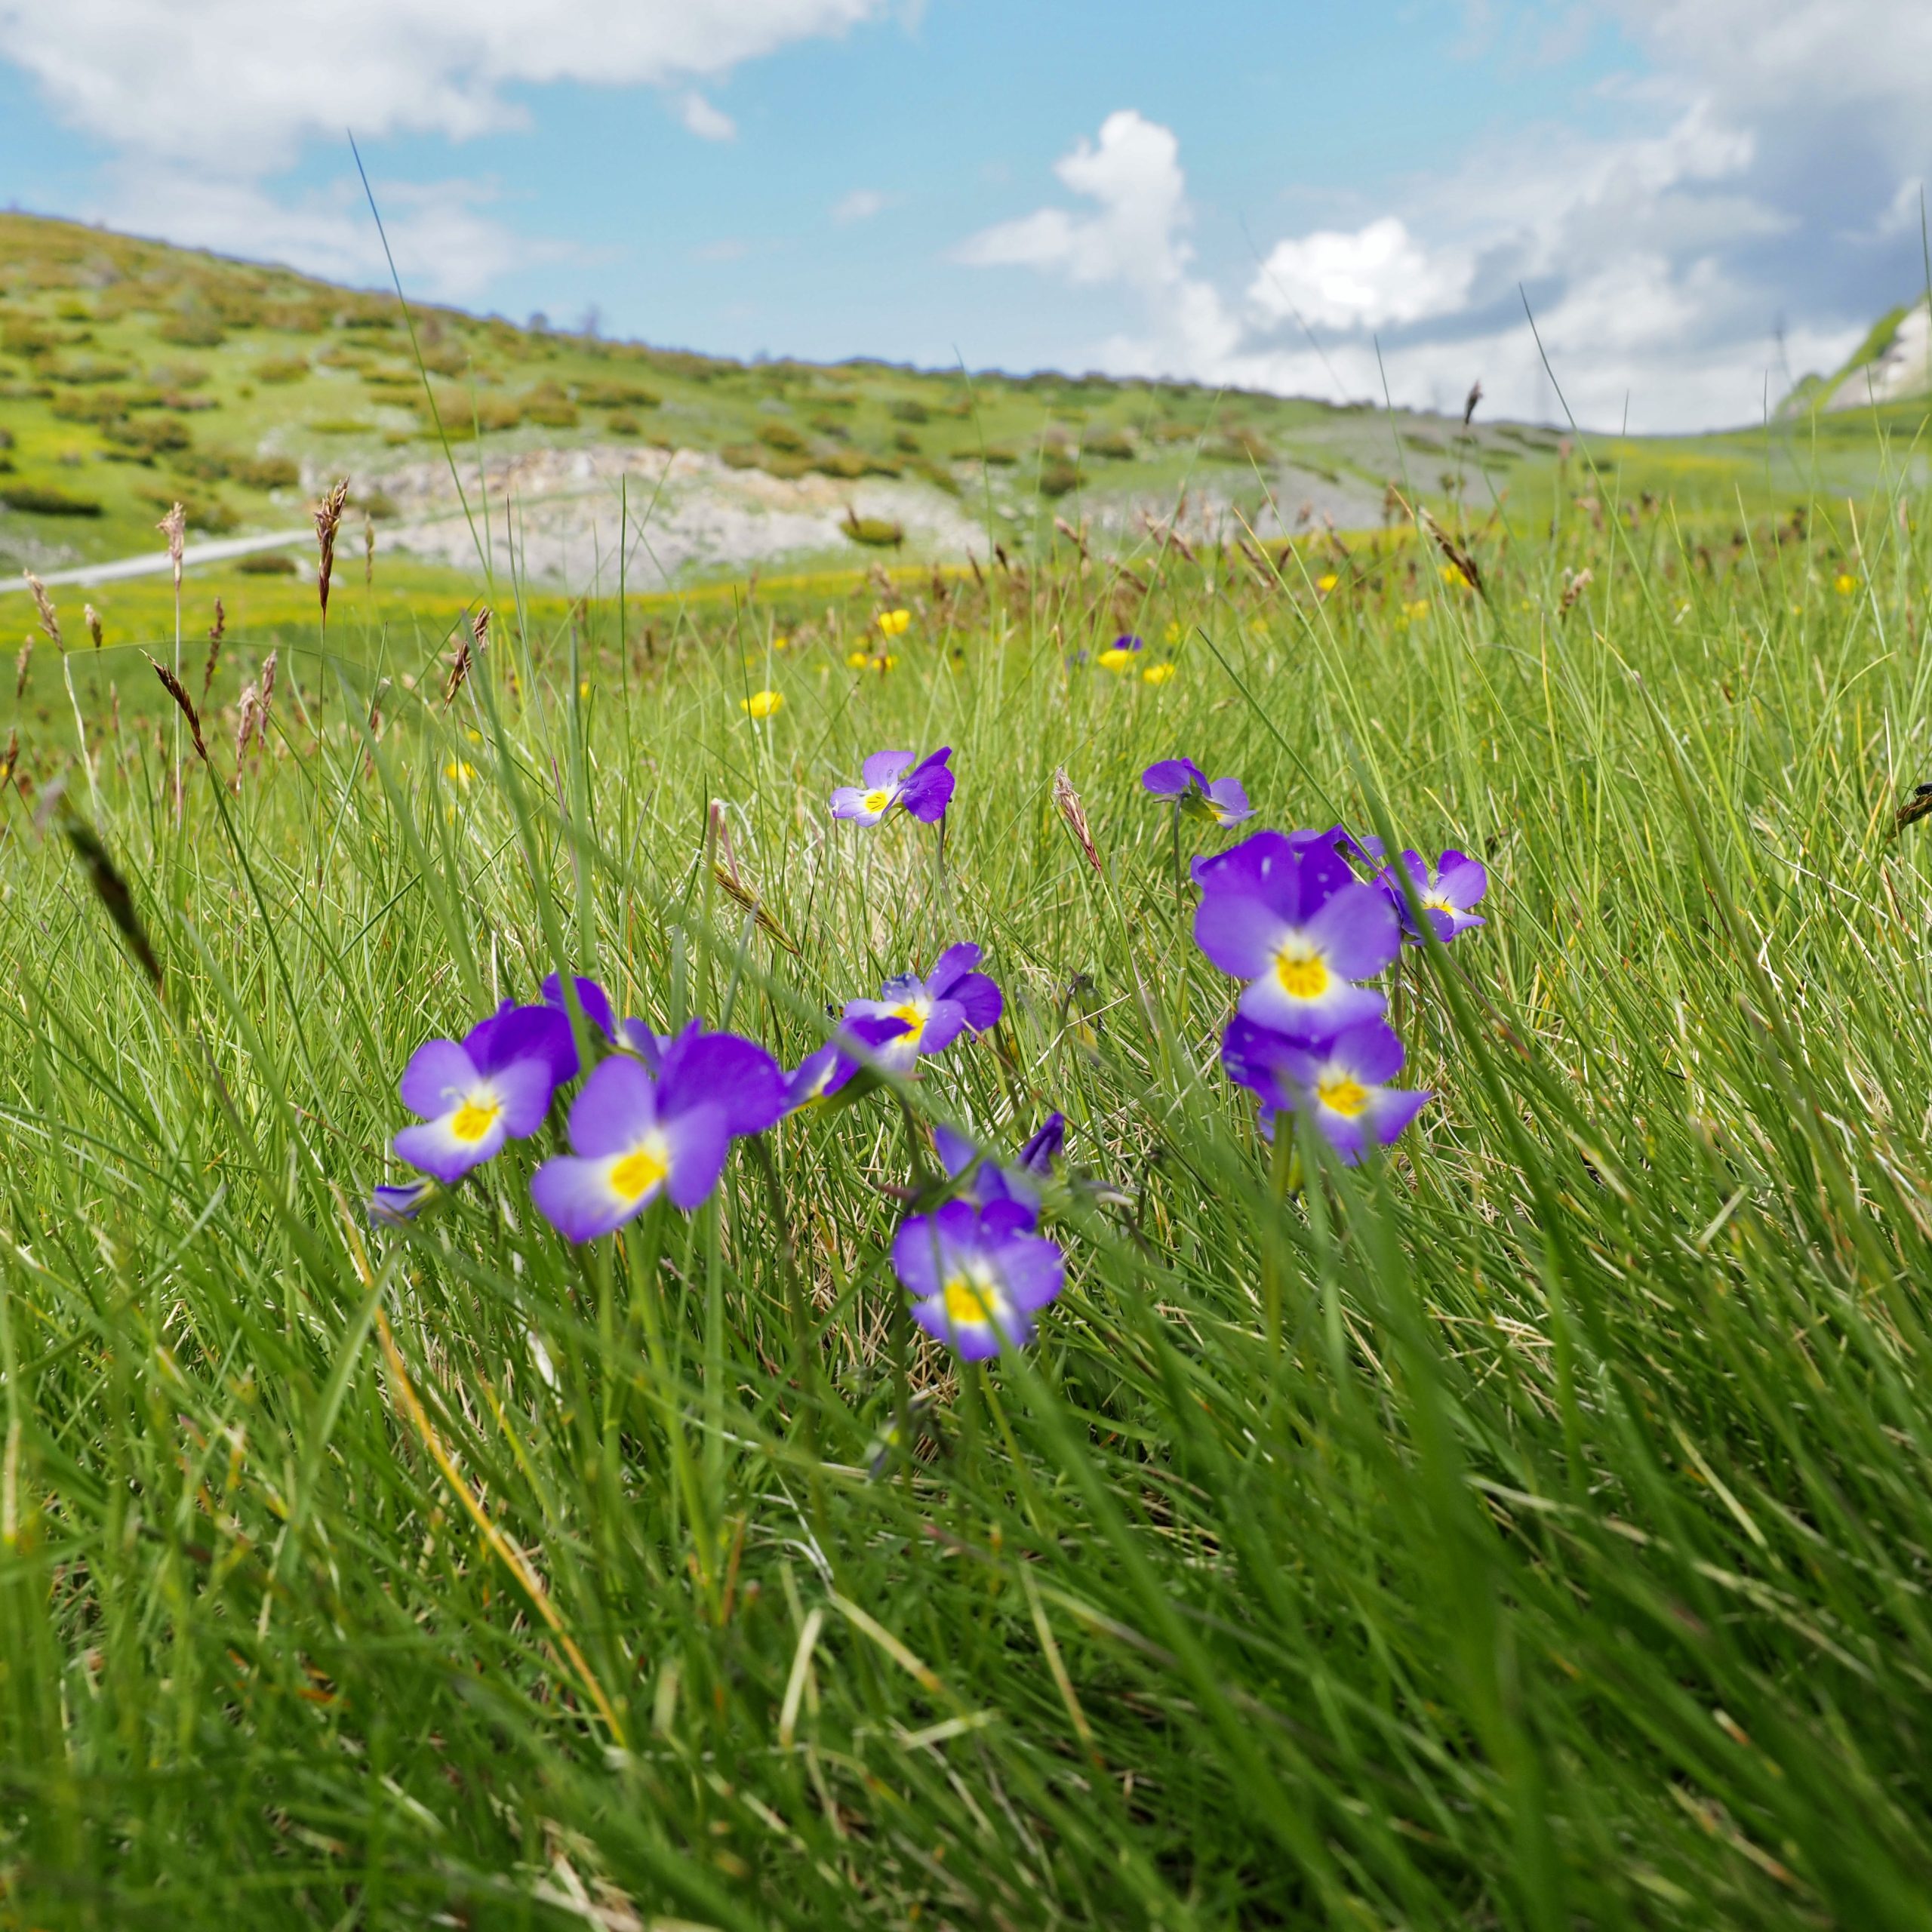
134	375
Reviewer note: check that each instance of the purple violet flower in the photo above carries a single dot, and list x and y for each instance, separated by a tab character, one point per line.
936	1010
1342	1083
1222	803
1292	920
495	1086
885	785
1019	1183
977	1276
394	1206
850	1051
633	1135
1447	890
590	996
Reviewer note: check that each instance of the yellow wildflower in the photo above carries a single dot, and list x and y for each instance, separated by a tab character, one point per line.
894	623
461	770
1115	659
761	704
1844	583
1419	608
1158	673
1173	632
779	643
1326	582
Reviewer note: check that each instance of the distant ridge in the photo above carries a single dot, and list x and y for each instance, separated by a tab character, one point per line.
1894	364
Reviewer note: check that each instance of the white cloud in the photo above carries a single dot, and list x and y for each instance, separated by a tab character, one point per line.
1376	275
1657	262
861	205
1133	173
707	122
238	87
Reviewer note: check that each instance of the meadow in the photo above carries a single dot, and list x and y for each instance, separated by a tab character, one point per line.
1527	1526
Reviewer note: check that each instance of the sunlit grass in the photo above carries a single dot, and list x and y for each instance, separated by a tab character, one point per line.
1528	1531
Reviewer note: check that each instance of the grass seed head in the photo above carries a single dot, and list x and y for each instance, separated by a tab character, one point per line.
92	620
174	527
328	520
49	622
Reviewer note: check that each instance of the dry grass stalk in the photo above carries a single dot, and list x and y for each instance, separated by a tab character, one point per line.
724	870
1475	397
216	631
1575	588
1465	565
368	551
479	631
173	686
20	664
12	758
1066	802
92	620
328	520
44	604
247	720
174	527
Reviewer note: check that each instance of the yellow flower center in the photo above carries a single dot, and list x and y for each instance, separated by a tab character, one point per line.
1303	974
635	1174
1342	1094
474	1118
911	1012
878	801
970	1297
1435	902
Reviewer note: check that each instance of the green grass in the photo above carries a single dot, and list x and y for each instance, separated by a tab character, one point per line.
1528	1531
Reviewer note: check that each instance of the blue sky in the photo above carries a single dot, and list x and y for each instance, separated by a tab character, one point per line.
1255	193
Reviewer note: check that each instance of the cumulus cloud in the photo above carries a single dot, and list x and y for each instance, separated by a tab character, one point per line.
204	103
1659	263
707	122
1376	275
238	87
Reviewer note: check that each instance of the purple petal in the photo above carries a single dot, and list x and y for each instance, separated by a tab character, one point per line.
919	1253
1031	1269
980	1342
391	1206
594	1000
952	965
849	802
1229	797
928	791
1246	868
956	1153
525	1032
1169	777
698	1141
523	1087
576	1197
438	1071
617	1108
724	1070
1461	880
435	1148
1259	1059
817	1077
634	1036
1238	931
1372	1053
1391	1110
1342	1005
978	996
1038	1155
946	1020
882	767
1357	931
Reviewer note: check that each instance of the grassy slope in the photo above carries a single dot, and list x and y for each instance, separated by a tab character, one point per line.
132	373
1530	1534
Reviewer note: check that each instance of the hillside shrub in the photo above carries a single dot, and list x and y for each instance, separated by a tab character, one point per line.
266	563
43	499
